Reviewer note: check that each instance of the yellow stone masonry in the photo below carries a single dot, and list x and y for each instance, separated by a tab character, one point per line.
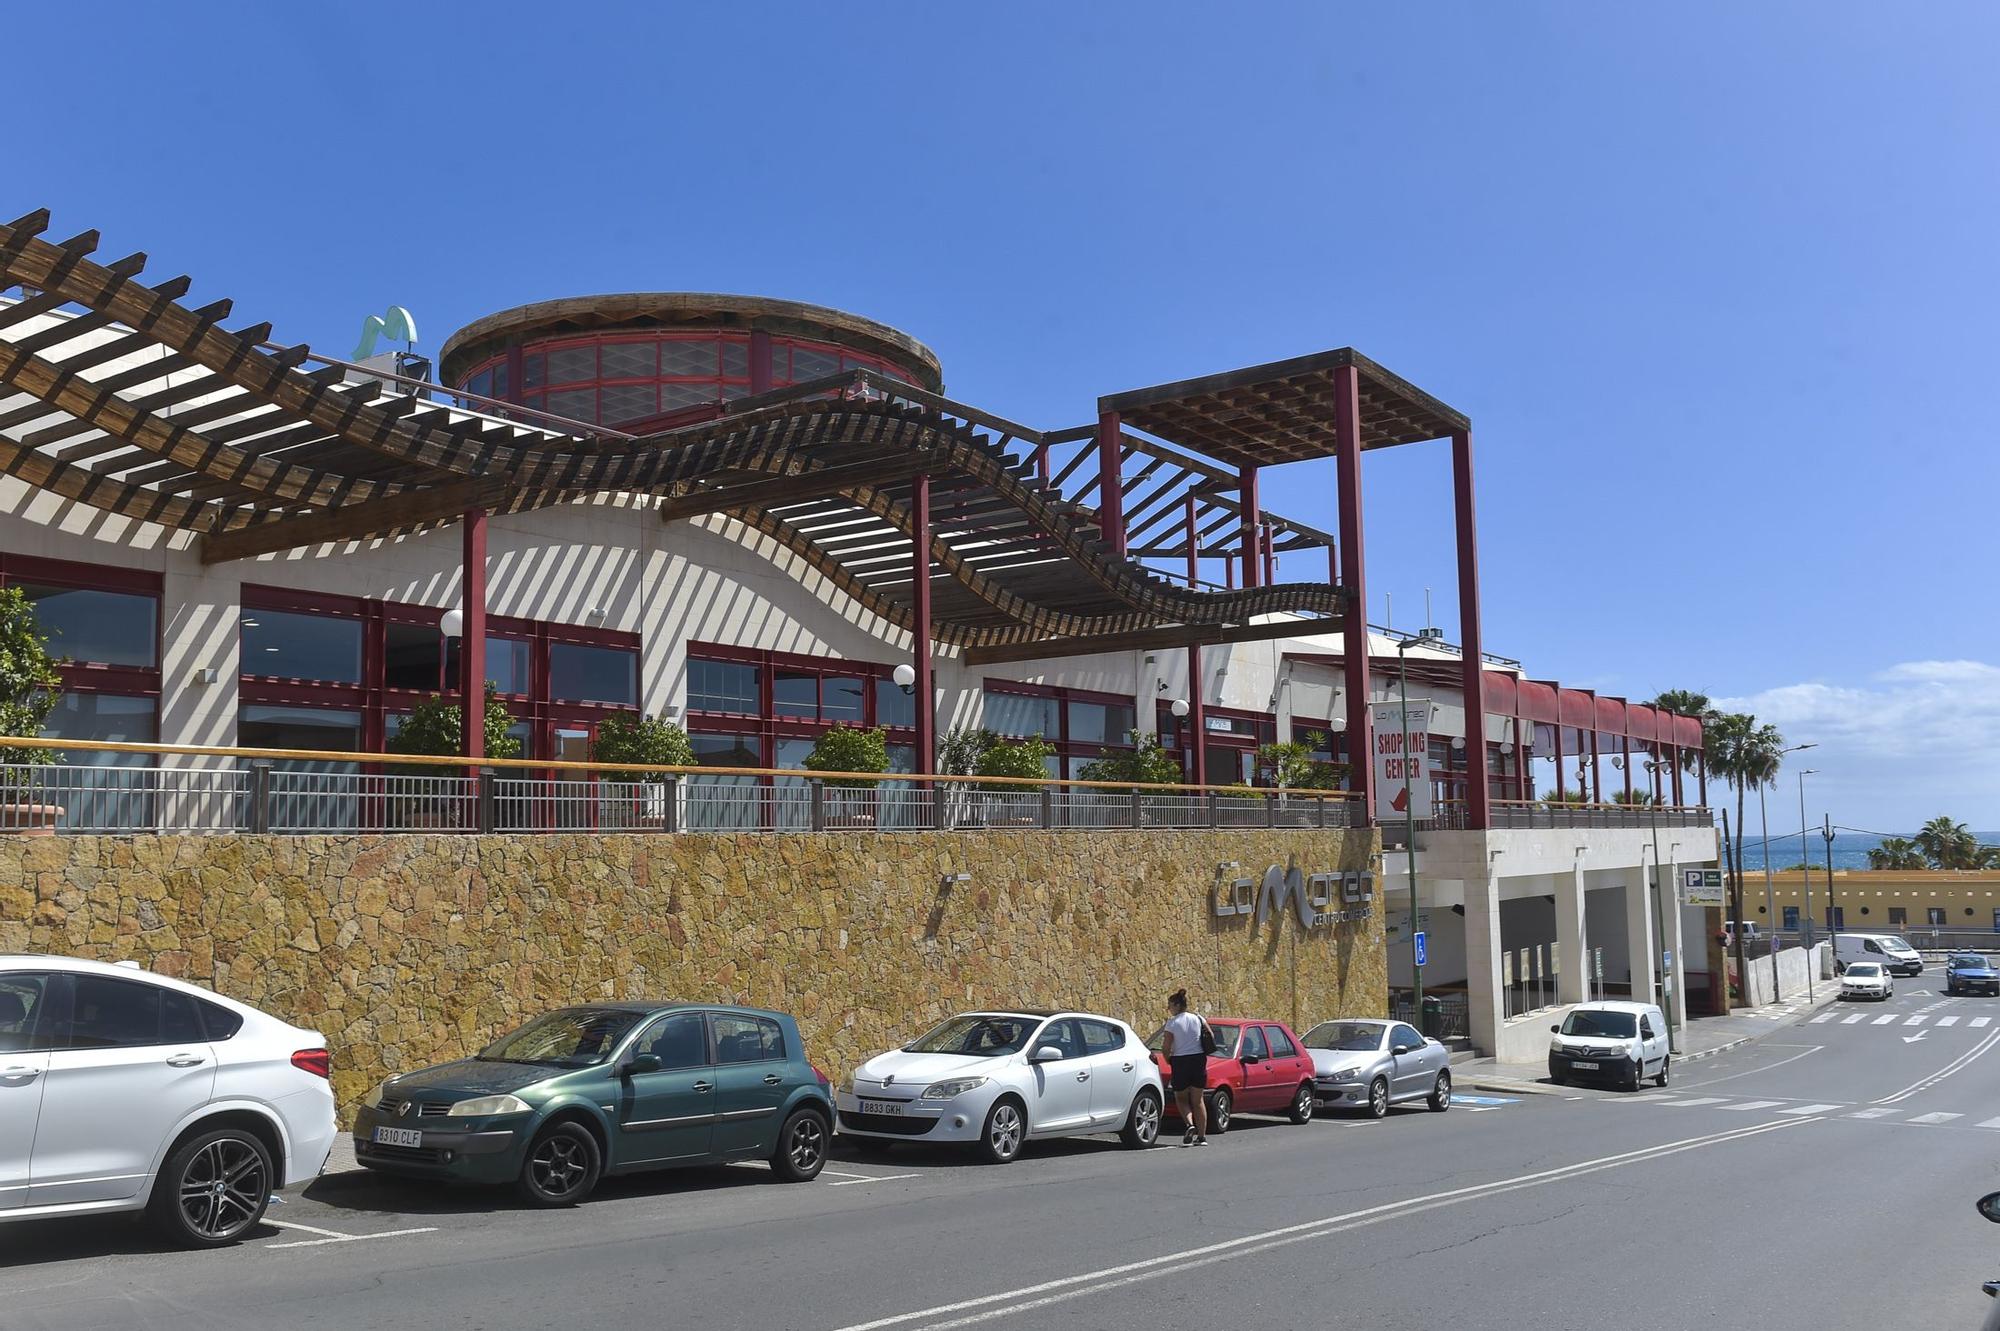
412	949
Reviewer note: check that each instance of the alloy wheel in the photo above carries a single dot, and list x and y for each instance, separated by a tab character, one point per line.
1302	1104
223	1188
1378	1098
808	1144
1004	1132
1146	1120
558	1165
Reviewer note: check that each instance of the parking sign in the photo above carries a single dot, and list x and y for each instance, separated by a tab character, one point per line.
1419	937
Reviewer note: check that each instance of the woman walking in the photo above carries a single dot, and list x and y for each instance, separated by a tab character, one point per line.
1187	1058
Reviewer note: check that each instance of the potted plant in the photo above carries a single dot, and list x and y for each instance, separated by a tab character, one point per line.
850	749
30	685
642	746
435	727
1026	759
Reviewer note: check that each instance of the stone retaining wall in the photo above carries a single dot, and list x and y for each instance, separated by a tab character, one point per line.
407	950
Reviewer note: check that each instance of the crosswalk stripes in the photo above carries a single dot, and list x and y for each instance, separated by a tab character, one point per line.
1977	1022
1883	1020
1917	1020
1893	1018
1947	1021
1808	1109
1873	1113
1934	1118
1749	1105
1890	1113
1849	1021
1989	1123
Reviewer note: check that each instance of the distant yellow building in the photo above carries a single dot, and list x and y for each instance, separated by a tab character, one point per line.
1915	900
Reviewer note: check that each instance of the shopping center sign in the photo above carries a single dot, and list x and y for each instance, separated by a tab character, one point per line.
1402	770
1317	899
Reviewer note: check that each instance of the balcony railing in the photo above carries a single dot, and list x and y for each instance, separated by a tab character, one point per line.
298	791
1525	814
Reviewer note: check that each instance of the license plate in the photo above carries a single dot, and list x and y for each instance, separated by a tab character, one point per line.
892	1107
398	1137
1584	1067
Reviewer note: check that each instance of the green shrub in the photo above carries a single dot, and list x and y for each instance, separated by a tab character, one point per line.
433	727
1024	759
646	743
849	749
1144	764
30	684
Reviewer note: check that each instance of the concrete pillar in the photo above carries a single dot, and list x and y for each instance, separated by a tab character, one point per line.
1485	1003
1572	963
1639	932
1670	915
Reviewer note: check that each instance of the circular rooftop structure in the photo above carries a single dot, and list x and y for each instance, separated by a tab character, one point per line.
623	360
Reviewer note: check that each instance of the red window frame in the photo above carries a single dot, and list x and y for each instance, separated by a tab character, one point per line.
96	676
1065	747
1173	730
765	727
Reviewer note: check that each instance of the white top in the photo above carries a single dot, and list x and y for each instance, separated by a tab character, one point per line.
1183	1035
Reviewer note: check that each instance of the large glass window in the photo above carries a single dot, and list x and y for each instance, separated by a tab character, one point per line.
1022	715
107	717
507	664
1100	723
101	627
262	726
893	707
795	693
412	656
722	686
290	644
842	698
593	674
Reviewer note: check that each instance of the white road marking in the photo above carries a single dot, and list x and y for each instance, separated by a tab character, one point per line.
1914	1021
1958	1064
1656	1099
1748	1105
1751	1072
1934	1118
869	1178
1849	1021
1989	1123
1808	1109
310	1229
1698	1100
1977	1022
1871	1113
1912	1039
1883	1021
1824	1016
1947	1021
354	1238
1028	1298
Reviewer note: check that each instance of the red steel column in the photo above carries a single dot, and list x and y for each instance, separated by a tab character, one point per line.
1561	789
472	647
1253	560
1110	488
760	361
1270	556
920	630
1196	721
1354	582
1701	764
1479	801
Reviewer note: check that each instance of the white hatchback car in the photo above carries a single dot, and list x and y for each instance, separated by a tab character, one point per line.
126	1091
1867	979
993	1080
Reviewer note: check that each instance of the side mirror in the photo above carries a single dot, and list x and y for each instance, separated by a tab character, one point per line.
1989	1206
1249	1059
641	1063
1556	1029
1400	1049
1048	1053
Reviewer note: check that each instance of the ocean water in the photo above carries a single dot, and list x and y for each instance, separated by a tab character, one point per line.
1850	849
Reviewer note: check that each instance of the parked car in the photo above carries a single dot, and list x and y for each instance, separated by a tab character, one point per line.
1611	1041
993	1081
1970	973
1866	979
1891	950
1367	1063
606	1088
1747	928
1258	1067
122	1090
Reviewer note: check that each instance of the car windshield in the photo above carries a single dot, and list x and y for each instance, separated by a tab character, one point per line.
1895	943
1616	1025
1969	963
980	1035
1353	1036
1864	970
576	1037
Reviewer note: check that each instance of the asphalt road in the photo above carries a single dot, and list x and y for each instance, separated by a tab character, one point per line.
1822	1177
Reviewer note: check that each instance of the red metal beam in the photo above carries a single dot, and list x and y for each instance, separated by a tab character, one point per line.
1253	563
1110	491
1478	801
920	588
472	647
1196	721
1354	579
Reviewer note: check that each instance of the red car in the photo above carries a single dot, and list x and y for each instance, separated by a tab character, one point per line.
1258	1067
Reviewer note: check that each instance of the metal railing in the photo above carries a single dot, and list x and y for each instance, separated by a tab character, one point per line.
292	791
1528	814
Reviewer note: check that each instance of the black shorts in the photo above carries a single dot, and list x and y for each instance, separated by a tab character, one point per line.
1190	1072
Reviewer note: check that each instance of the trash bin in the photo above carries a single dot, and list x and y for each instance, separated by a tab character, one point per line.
1433	1017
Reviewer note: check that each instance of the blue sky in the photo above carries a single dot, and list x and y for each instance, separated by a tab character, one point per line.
1717	285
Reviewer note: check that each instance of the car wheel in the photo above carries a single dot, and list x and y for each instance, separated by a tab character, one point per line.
1441	1093
1378	1098
1221	1108
801	1150
1636	1076
1006	1128
1142	1125
1302	1104
213	1189
1665	1063
562	1166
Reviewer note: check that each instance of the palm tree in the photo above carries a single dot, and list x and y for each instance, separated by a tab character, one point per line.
1747	756
1689	703
1947	844
1897	853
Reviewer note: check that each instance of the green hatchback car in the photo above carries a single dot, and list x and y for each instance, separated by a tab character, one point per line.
606	1088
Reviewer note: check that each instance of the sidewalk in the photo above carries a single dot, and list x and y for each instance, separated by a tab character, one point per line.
1702	1037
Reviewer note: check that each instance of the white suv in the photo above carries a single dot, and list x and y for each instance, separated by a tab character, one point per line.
125	1091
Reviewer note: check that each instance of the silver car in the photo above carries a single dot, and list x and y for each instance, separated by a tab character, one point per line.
1365	1063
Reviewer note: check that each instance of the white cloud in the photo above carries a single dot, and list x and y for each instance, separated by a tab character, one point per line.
1914	740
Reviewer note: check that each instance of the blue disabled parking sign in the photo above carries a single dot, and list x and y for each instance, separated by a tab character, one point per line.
1420	947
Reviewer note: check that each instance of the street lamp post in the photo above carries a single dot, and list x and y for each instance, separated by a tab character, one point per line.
1424	635
1660	925
1770	893
1805	868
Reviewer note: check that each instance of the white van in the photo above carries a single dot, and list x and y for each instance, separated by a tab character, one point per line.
1896	956
1613	1041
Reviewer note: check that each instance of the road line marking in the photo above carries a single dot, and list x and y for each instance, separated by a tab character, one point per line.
1697	1100
1883	1020
1978	1021
354	1238
1755	1104
1871	1113
1914	1021
841	1173
1806	1050
870	1178
1958	1064
1824	1016
310	1229
1849	1021
1011	1302
1933	1118
1809	1109
1947	1021
1989	1123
